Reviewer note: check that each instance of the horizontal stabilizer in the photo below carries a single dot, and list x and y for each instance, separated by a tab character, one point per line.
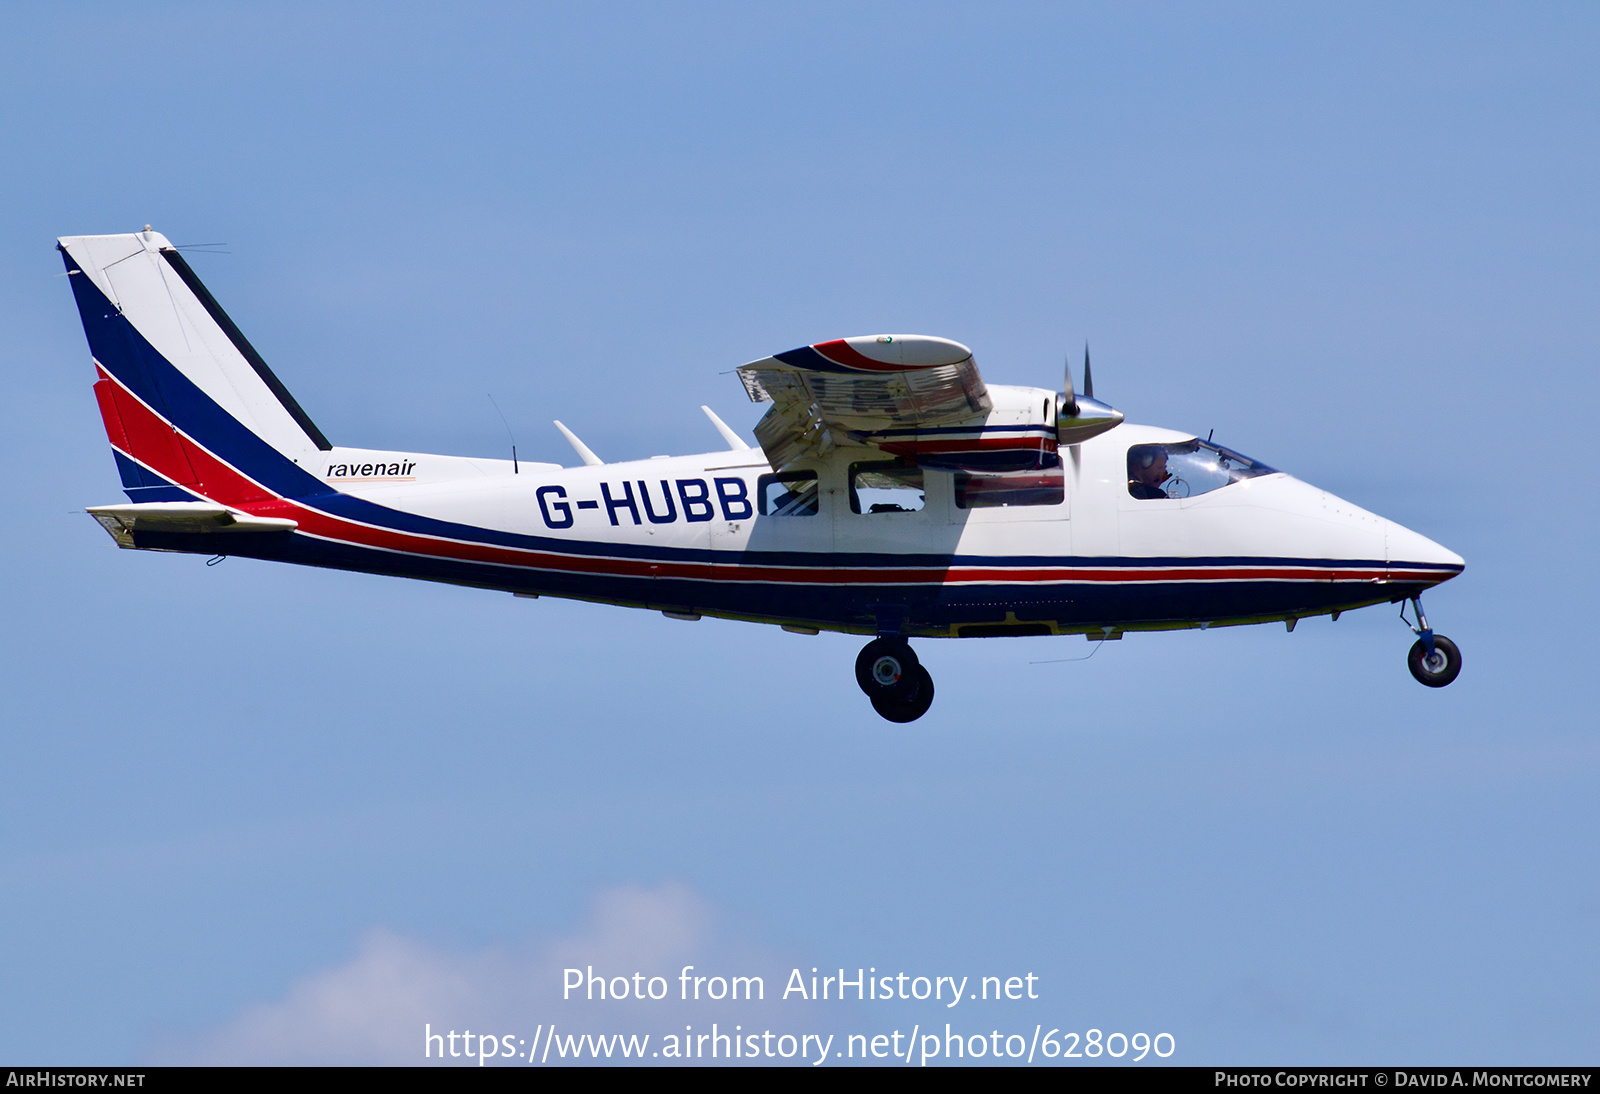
183	517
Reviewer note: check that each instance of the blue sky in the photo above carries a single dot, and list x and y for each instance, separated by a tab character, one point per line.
1357	241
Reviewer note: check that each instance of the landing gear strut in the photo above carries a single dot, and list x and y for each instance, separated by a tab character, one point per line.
1434	659
891	676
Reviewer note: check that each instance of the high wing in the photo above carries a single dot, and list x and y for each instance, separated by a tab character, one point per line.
874	389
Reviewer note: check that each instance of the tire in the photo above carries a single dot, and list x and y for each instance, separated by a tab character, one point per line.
912	706
886	669
1447	662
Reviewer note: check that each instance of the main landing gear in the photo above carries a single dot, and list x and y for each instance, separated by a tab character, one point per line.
900	688
1434	659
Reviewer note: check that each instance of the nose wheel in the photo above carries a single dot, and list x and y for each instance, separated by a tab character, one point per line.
1434	660
894	680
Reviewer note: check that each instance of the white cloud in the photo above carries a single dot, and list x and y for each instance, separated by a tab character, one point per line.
373	1009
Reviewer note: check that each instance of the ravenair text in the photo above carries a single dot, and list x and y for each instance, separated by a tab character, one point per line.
855	985
639	501
370	470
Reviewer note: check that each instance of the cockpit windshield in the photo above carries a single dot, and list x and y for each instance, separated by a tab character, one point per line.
1186	469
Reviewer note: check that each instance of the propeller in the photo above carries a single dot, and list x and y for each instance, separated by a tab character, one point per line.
1083	416
1069	401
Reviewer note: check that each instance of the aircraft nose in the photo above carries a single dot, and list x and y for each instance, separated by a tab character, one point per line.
1402	545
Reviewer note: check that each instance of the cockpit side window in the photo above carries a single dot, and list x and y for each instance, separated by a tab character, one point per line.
1186	469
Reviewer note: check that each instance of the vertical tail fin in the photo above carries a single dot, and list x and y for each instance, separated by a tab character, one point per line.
183	394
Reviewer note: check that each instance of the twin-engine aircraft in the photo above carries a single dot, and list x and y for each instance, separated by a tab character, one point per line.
894	494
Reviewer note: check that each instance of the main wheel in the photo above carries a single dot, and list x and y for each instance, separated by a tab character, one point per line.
1441	669
887	669
912	706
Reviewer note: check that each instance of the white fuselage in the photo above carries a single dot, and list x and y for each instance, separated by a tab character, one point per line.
682	534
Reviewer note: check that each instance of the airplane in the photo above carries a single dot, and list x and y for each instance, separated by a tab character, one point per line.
894	494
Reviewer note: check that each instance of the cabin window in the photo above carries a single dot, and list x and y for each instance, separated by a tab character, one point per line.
789	494
891	487
1186	470
1005	491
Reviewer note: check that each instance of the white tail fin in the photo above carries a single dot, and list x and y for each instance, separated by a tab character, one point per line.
148	283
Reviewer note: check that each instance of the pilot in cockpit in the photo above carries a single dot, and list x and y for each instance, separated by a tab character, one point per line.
1147	470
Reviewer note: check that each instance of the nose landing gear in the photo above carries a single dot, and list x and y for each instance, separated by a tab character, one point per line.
891	676
1434	660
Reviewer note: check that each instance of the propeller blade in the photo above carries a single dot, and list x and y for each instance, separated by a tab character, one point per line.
1069	401
1088	416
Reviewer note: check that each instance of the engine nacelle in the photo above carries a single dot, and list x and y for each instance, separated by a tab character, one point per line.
1083	419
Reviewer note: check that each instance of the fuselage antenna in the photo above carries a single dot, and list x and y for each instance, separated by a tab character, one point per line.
514	469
